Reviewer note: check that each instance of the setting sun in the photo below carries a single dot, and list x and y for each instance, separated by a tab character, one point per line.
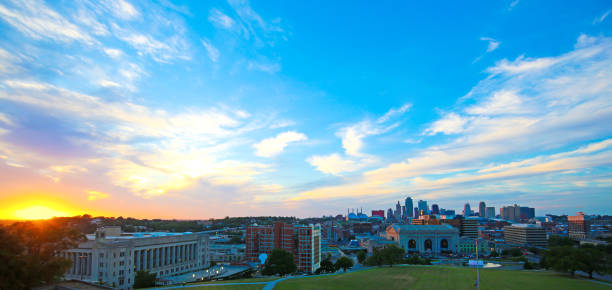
37	212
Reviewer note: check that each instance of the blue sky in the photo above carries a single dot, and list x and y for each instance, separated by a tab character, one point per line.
208	109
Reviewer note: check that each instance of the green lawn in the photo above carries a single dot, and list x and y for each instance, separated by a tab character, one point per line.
439	278
249	280
229	287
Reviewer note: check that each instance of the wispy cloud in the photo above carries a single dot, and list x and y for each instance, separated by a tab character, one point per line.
273	146
603	17
211	50
34	19
493	44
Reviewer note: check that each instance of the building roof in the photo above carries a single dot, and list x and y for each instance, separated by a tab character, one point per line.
422	228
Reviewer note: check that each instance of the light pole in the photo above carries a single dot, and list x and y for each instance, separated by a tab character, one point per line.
477	266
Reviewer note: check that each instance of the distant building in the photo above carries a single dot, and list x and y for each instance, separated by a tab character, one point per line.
398	211
447	212
422	204
379	213
416	212
112	257
467	211
467	246
482	209
303	241
424	239
227	253
409	206
517	213
435	209
390	214
525	234
469	228
490	212
404	214
578	226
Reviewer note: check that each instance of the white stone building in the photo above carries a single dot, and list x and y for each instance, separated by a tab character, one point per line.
112	258
425	239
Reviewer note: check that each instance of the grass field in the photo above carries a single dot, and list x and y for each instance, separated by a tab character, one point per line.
228	287
439	278
249	280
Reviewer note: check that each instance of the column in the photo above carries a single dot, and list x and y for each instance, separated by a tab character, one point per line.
74	264
159	257
162	258
90	264
146	260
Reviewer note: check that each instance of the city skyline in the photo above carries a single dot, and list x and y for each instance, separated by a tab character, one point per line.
205	110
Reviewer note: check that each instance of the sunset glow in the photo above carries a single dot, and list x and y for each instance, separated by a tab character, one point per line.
38	212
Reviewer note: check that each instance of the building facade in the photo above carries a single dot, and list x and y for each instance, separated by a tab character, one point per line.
517	213
303	241
112	258
409	206
490	212
227	253
424	239
578	226
469	228
482	206
525	234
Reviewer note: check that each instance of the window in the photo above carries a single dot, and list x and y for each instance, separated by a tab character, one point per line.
101	265
101	255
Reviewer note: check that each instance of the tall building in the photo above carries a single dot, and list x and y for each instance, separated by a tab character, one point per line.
409	206
469	228
578	226
113	258
525	234
422	204
467	211
481	209
390	214
517	213
303	241
416	212
490	212
435	209
398	211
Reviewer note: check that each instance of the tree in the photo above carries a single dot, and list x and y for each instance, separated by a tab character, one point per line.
376	259
327	266
361	257
590	259
280	262
494	254
144	279
561	259
344	263
558	241
29	252
392	255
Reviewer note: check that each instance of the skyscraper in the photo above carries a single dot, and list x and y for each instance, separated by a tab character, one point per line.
481	209
389	213
435	209
467	211
490	212
422	205
398	211
409	206
416	212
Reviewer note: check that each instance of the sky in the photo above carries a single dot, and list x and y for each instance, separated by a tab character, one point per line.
204	109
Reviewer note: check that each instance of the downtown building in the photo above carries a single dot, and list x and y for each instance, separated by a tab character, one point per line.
303	241
525	235
112	258
517	213
578	226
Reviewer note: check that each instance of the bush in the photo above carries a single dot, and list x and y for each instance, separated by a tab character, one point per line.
280	262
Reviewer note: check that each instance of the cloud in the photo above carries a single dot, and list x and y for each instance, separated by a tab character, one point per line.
221	20
211	50
601	18
113	53
96	195
335	164
121	9
273	146
452	123
352	136
493	44
270	68
34	19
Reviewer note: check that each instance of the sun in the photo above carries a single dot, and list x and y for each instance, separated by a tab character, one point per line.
38	212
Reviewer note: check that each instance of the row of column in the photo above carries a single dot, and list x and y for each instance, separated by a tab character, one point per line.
147	259
81	263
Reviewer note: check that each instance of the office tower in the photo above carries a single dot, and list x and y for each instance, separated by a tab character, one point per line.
481	209
416	212
422	205
398	211
469	228
525	234
467	211
517	213
578	226
409	206
389	214
435	209
303	241
490	212
404	215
